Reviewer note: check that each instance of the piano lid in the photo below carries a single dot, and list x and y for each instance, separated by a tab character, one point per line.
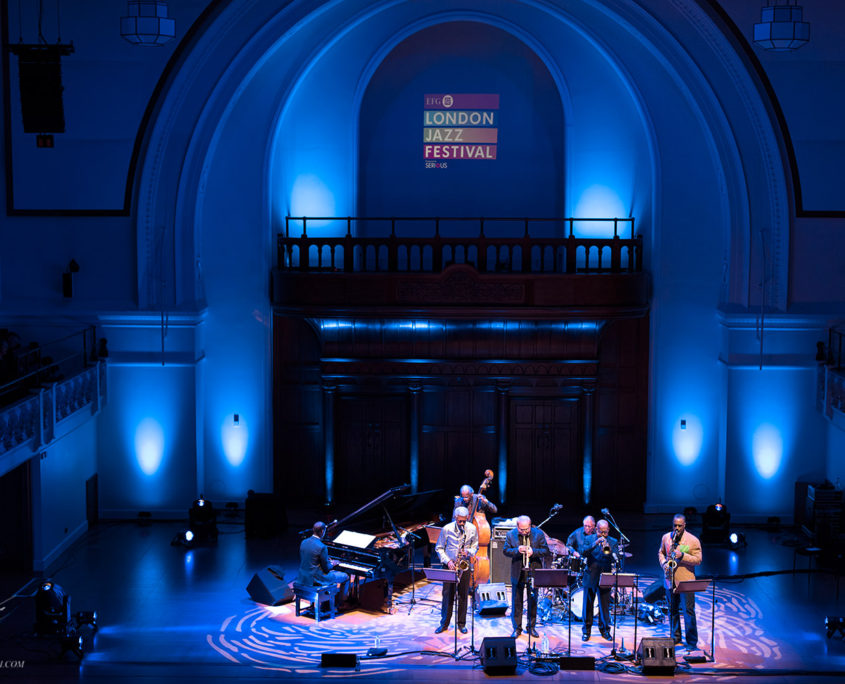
395	505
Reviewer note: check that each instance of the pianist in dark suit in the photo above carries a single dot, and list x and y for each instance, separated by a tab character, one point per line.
458	541
527	548
314	566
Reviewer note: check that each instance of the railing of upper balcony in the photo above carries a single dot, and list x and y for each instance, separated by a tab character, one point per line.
528	245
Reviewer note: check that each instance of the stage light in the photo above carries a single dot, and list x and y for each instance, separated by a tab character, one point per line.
189	535
716	524
835	626
52	609
736	540
202	520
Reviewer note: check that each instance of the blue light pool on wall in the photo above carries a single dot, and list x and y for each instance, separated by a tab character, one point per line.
781	26
149	445
767	450
234	436
687	438
601	201
310	196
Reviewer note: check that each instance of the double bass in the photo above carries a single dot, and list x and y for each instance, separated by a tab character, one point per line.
481	572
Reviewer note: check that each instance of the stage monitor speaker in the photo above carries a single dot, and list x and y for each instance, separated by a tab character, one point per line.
567	663
657	656
654	592
498	655
268	587
492	599
338	660
40	77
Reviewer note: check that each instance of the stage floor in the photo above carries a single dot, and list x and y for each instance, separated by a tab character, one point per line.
167	613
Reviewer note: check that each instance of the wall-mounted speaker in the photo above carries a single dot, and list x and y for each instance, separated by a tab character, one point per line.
40	85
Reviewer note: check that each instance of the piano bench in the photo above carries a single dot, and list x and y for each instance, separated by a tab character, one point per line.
317	595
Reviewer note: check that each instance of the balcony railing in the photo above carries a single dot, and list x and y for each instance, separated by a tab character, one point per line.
526	250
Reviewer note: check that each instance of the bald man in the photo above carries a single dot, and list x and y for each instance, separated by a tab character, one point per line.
526	546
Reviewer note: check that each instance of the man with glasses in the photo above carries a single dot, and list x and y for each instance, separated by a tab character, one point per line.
527	548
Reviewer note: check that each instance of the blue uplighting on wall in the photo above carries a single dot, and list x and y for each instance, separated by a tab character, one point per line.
599	201
310	196
767	450
687	438
235	438
149	445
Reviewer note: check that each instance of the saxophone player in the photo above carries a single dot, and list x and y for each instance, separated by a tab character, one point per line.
456	546
527	548
679	553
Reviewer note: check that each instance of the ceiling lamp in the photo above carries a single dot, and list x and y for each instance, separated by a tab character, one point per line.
780	28
147	23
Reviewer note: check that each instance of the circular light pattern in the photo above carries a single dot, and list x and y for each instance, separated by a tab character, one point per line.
274	638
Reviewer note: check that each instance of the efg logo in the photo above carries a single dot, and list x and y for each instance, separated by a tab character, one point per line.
448	101
12	664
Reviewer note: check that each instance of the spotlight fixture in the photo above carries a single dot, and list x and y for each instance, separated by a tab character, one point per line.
52	609
835	626
736	540
716	524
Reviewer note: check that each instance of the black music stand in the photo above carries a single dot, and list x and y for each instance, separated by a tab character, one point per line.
617	579
554	577
445	575
696	585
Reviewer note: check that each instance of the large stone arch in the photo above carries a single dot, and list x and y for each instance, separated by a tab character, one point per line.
205	197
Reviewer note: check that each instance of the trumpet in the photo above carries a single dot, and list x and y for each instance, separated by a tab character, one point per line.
526	554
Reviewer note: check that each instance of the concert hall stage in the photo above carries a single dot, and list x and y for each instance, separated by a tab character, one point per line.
167	613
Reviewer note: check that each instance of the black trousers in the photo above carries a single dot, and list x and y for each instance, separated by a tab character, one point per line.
448	600
604	608
518	589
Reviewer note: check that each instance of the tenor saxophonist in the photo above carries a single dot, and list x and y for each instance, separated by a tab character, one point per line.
527	548
456	546
680	552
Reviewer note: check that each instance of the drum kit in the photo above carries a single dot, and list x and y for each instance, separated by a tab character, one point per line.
553	605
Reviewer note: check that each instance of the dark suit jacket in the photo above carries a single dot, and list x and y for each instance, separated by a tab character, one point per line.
597	561
538	546
313	562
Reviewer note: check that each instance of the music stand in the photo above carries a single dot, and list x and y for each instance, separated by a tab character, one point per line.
696	585
617	580
554	577
445	575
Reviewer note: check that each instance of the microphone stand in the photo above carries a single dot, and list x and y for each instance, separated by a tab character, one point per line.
412	557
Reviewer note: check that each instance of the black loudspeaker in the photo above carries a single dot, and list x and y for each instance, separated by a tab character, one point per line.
492	599
498	655
654	592
657	656
567	663
338	660
500	564
268	587
40	77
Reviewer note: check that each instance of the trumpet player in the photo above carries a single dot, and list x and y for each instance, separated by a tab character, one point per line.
527	548
679	553
601	552
456	546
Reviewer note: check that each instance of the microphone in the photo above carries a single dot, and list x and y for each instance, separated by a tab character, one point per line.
605	511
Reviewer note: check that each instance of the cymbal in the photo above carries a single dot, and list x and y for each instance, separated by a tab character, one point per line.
556	545
627	554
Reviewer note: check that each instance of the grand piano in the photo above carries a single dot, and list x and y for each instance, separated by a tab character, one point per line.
377	541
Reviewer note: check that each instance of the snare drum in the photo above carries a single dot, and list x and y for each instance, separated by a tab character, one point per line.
570	563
